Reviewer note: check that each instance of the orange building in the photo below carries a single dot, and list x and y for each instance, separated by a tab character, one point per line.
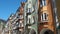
46	17
21	19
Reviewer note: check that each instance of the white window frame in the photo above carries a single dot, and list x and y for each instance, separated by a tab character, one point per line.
44	2
43	18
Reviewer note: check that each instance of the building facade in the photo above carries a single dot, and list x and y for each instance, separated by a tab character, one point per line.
2	25
34	17
40	17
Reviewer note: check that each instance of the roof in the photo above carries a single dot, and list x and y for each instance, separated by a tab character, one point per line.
1	20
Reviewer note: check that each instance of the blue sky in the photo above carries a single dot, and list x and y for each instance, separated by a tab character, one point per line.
8	6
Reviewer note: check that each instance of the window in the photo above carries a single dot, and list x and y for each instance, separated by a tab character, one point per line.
21	24
44	2
28	10
17	24
29	4
41	3
44	17
21	16
30	7
30	20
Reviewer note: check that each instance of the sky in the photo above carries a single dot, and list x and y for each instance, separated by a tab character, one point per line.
9	6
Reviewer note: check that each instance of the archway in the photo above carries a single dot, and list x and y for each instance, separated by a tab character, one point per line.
46	31
32	32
